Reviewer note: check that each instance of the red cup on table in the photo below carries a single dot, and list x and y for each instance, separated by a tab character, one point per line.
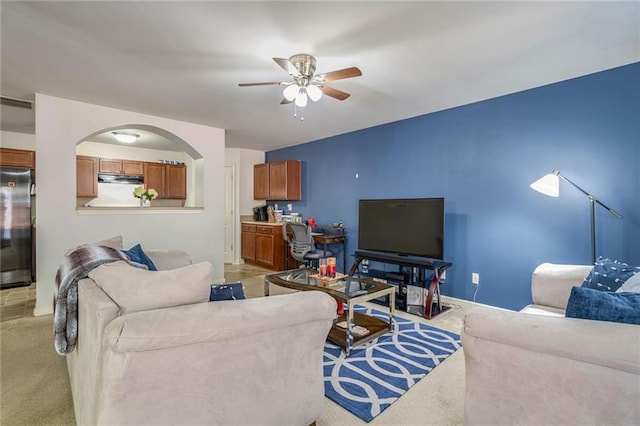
323	270
331	270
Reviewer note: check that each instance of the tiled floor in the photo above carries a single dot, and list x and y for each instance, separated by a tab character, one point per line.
18	302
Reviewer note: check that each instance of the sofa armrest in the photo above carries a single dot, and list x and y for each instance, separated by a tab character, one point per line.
168	259
95	311
551	283
534	369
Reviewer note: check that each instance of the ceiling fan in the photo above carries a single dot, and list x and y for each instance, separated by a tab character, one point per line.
306	83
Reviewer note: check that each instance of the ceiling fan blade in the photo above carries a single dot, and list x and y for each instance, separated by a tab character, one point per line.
285	101
339	74
268	83
286	65
334	93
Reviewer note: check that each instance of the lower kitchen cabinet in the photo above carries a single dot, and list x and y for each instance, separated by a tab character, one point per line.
263	245
248	242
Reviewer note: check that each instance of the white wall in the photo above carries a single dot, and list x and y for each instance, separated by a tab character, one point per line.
18	140
243	161
60	125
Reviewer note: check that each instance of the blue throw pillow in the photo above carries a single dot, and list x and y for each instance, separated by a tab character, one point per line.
587	303
135	254
609	275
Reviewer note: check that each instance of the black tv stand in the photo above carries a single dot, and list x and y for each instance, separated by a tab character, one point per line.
415	263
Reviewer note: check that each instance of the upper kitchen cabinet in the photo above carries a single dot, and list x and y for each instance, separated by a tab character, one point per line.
169	180
261	181
124	167
86	176
175	181
279	180
10	157
154	177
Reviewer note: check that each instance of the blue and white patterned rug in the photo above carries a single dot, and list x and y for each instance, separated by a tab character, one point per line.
377	373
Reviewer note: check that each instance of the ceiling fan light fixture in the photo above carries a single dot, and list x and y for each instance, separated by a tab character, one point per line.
314	93
291	91
125	137
301	98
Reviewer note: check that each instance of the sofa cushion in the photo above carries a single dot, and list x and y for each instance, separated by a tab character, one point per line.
135	289
587	303
136	254
609	275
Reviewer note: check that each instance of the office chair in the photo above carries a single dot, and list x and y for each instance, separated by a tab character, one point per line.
301	245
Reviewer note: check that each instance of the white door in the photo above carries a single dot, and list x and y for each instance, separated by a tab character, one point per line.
229	207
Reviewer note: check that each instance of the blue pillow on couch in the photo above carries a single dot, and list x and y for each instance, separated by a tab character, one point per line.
609	275
587	303
135	254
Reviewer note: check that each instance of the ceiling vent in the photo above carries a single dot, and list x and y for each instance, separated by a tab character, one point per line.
18	103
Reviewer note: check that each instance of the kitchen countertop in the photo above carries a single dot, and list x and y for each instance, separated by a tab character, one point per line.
256	222
138	210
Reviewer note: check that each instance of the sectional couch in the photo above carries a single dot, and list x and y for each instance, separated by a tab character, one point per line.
536	367
152	350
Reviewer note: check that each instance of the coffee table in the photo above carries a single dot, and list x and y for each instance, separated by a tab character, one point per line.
349	290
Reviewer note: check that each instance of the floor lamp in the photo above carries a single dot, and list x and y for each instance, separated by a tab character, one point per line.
550	185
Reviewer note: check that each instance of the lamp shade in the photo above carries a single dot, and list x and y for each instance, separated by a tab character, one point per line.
291	91
547	185
314	93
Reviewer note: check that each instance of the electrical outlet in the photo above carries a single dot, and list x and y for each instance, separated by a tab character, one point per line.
475	278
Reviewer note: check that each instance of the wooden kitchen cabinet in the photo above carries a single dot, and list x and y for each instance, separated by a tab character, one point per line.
154	177
121	167
248	243
169	180
279	180
261	181
132	167
175	183
263	245
86	176
10	157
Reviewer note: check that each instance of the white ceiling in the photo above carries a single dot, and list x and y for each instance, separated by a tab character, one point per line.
184	60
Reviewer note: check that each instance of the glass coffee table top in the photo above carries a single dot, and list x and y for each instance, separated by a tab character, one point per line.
342	286
350	328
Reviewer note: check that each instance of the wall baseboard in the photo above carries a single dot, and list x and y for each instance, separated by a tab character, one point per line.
38	312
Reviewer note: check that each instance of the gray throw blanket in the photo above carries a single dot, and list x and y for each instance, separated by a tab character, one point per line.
75	266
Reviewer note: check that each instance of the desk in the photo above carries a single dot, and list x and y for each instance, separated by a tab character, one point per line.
324	237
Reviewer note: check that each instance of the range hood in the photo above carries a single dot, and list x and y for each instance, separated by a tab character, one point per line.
123	179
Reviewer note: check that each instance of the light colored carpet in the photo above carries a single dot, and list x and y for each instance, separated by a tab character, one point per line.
35	385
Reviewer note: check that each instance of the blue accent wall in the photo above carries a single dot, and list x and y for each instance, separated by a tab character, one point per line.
482	157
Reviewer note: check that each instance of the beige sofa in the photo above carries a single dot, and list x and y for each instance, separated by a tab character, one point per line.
247	362
524	368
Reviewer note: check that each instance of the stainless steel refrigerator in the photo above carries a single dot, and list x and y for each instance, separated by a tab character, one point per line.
15	227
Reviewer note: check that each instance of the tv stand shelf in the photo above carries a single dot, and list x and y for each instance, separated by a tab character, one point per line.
417	277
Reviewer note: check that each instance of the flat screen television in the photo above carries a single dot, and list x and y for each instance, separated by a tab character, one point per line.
409	226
